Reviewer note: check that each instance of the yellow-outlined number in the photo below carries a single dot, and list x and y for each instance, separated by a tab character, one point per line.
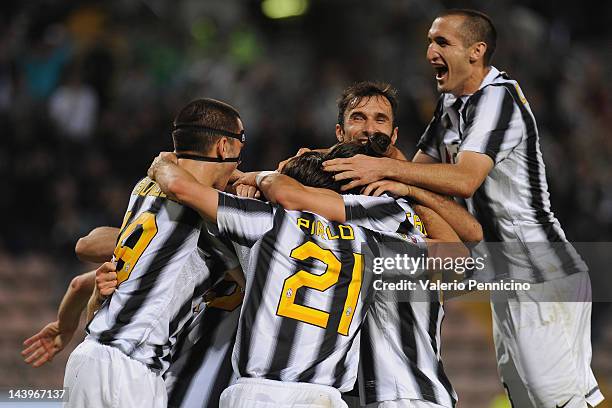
287	306
134	239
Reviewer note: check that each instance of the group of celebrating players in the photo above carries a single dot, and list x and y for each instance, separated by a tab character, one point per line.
264	297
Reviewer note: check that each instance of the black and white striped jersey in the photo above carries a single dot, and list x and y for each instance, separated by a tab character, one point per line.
308	290
154	298
383	213
400	354
201	366
513	202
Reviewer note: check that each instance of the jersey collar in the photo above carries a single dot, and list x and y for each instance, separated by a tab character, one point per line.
449	99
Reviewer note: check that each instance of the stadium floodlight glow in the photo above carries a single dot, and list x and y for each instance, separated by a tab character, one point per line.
277	9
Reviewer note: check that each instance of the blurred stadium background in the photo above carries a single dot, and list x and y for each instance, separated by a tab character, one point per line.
88	90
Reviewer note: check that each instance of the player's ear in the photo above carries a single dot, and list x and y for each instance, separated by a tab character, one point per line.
477	51
223	148
394	135
339	133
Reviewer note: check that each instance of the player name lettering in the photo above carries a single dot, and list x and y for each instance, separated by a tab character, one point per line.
325	231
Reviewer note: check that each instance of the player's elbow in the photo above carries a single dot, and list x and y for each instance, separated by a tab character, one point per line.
84	249
76	284
466	187
81	283
475	234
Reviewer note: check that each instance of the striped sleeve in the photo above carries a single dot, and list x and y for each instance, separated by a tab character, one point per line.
243	220
431	138
375	213
216	250
493	124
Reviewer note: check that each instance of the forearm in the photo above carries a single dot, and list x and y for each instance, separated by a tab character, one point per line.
203	199
98	245
437	228
448	179
292	195
460	220
74	301
281	189
177	184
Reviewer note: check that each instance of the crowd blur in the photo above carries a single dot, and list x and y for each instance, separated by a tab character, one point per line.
88	91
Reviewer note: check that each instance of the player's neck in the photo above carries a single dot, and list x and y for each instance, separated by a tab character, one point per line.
205	173
472	84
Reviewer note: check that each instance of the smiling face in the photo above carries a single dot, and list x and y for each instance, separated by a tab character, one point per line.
364	117
453	61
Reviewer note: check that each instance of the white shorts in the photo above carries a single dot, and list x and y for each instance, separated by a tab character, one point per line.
101	376
544	348
262	393
404	403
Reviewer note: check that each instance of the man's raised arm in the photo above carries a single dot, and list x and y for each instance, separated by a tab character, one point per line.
51	339
461	179
98	245
462	222
293	195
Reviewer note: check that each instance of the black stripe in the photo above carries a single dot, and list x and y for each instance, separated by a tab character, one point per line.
253	299
381	212
434	314
366	363
469	111
215	256
497	136
148	280
156	361
187	327
484	213
209	322
243	208
174	330
409	347
593	391
287	332
366	350
222	379
367	294
355	212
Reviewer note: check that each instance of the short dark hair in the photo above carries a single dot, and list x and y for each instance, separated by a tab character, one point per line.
354	94
376	146
206	112
476	27
308	168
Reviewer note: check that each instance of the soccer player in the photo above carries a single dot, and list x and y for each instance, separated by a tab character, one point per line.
404	336
364	109
483	145
130	338
300	337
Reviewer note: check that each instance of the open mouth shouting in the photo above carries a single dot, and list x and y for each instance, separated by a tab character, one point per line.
441	72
